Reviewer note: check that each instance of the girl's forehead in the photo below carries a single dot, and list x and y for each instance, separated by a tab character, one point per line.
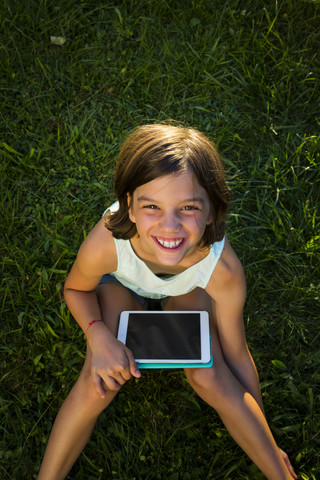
178	184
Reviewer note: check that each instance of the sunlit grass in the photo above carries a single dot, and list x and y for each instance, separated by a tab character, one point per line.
246	74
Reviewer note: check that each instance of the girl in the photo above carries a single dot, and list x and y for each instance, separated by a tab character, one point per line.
165	239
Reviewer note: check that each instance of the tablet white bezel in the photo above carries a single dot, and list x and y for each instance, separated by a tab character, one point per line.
205	347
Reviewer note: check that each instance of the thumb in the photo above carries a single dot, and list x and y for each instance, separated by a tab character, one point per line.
134	370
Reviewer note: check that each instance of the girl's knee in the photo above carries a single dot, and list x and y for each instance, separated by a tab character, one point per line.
208	380
201	377
86	390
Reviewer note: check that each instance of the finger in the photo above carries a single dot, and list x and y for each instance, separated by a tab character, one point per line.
119	377
289	467
108	383
293	473
113	384
288	464
125	370
98	383
134	370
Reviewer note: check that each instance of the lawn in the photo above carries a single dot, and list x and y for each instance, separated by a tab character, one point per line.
247	75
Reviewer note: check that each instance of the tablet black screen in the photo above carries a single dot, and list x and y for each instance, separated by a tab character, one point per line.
170	336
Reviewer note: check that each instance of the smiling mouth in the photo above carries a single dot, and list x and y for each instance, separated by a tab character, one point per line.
170	244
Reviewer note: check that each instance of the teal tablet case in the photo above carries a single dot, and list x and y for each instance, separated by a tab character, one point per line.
177	365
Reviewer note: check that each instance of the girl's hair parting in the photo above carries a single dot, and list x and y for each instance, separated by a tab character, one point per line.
152	151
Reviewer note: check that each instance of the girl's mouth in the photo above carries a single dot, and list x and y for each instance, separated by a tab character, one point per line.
171	244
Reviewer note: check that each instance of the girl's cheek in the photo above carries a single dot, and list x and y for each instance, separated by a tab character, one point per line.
199	224
145	224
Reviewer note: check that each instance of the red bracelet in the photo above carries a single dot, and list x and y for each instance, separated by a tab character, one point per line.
91	323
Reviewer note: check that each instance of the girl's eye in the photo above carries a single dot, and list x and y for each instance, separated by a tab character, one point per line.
152	207
190	208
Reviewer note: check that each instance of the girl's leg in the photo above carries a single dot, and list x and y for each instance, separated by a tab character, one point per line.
236	407
80	410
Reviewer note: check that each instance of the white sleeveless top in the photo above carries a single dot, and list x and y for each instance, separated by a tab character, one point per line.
133	273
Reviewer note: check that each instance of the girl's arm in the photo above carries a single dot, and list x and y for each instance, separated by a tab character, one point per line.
227	287
112	362
96	256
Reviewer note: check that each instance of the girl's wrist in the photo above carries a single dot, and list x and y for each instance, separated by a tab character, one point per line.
98	334
90	325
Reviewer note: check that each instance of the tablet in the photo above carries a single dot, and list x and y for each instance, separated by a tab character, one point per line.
170	339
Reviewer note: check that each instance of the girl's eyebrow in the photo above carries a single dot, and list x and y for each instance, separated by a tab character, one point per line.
143	198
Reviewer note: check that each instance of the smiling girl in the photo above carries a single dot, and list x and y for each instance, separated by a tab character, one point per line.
163	243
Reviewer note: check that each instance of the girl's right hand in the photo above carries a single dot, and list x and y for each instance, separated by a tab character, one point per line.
112	362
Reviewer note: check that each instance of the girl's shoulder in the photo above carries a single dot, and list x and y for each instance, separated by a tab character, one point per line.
98	250
228	275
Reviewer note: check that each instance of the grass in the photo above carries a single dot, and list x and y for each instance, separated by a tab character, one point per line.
247	74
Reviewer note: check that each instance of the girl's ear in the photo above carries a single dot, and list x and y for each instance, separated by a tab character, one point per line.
129	200
210	219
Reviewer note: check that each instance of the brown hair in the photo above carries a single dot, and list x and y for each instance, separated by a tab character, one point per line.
152	151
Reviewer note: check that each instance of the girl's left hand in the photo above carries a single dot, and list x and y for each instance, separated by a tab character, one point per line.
288	464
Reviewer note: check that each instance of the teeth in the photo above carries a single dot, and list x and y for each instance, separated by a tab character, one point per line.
171	244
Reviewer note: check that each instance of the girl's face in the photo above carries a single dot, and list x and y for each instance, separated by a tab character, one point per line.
171	214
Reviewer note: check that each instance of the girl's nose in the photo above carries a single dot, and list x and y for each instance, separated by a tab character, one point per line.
170	222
